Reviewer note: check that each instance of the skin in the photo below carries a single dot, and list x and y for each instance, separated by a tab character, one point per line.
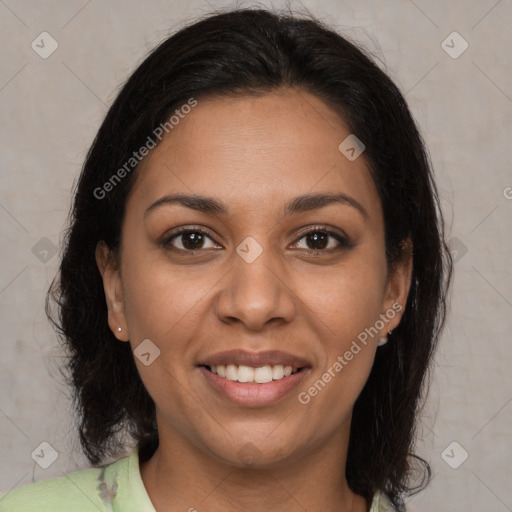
253	154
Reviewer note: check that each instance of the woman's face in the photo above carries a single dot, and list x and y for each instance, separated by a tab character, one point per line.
281	276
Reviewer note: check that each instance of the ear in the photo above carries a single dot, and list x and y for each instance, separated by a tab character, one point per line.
113	286
397	288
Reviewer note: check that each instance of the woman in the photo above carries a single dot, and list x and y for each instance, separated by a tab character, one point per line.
254	280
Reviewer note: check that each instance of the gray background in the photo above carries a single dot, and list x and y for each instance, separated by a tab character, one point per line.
51	109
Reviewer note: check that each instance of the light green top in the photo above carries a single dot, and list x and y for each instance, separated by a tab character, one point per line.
116	487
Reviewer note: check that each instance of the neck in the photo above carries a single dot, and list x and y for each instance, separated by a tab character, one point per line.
181	476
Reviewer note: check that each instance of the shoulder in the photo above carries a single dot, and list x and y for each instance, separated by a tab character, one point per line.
381	503
86	490
76	491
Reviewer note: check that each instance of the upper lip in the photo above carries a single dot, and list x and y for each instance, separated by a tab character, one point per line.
255	359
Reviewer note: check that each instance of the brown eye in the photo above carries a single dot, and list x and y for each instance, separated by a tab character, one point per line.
190	240
321	240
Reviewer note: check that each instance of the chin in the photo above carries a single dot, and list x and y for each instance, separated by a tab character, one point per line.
257	452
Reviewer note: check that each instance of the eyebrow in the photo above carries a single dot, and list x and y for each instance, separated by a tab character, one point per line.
299	204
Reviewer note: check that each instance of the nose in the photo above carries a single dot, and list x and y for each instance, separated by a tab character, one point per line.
256	293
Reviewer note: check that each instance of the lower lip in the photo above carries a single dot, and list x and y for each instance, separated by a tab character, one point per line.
252	394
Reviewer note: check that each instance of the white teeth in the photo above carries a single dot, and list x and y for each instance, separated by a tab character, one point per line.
245	374
261	375
277	372
231	372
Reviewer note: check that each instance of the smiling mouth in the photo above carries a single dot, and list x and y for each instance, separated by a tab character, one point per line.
249	374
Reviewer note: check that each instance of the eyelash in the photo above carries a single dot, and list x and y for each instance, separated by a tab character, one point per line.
344	242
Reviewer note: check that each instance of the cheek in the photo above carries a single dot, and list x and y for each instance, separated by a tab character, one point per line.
167	306
160	308
158	299
345	302
340	318
343	307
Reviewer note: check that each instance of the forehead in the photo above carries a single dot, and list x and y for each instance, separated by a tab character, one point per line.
251	150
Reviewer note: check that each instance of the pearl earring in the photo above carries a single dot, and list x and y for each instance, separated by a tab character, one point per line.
119	329
384	339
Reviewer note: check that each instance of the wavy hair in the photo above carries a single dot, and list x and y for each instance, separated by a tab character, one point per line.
244	52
